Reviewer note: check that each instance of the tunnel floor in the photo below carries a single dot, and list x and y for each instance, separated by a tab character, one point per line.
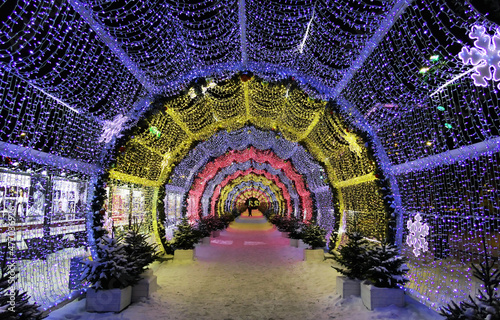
249	272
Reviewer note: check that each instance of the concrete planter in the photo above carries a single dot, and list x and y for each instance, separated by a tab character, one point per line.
314	255
184	255
374	297
302	245
113	300
348	287
145	287
216	234
294	243
203	242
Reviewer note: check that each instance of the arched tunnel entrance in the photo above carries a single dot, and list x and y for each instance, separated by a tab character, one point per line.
308	162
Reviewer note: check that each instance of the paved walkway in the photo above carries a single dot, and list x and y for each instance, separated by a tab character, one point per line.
249	272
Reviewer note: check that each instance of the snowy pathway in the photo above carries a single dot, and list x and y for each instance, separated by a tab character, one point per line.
249	272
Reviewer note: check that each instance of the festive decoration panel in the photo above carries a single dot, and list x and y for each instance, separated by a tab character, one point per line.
363	206
36	121
428	104
46	44
43	224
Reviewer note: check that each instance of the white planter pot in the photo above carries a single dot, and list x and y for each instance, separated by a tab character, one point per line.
348	287
205	241
216	234
374	297
113	300
184	255
302	245
314	255
144	288
294	243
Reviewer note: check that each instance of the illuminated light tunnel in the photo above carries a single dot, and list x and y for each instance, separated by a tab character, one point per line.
212	169
252	175
212	184
245	190
382	109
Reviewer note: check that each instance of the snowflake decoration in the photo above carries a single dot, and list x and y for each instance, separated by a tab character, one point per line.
417	233
484	56
112	128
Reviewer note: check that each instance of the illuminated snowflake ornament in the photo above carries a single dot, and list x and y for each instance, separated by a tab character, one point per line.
112	128
416	235
484	56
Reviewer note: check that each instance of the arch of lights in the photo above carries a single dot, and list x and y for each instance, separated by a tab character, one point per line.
435	128
221	191
212	169
237	196
260	186
212	184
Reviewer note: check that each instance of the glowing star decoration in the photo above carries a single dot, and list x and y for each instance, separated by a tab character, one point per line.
112	128
352	140
484	56
416	235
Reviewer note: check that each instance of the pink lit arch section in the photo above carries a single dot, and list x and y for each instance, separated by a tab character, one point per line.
260	156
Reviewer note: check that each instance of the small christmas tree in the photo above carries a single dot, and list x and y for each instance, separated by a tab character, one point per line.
314	235
387	267
139	252
111	269
352	257
15	305
487	302
332	240
185	237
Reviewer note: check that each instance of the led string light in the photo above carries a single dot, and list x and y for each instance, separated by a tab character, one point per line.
229	182
240	192
51	47
237	197
426	118
222	173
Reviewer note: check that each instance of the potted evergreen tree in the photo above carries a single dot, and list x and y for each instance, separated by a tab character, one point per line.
386	274
140	255
203	229
296	234
111	276
486	304
185	237
352	258
315	237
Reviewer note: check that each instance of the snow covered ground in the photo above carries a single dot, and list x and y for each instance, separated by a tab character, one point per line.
248	274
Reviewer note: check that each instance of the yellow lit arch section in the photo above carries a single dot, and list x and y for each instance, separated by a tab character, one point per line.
257	193
224	192
164	138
